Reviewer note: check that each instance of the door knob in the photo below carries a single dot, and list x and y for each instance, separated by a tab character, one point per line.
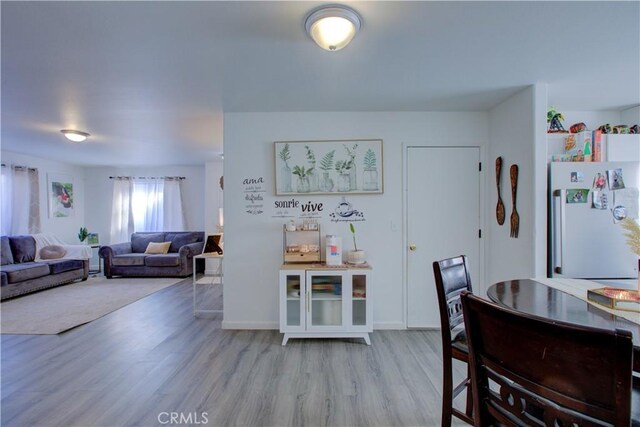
412	247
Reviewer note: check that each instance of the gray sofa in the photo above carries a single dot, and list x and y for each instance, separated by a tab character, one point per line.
129	259
20	274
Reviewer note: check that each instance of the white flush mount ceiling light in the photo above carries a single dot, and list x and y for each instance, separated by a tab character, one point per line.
332	27
74	135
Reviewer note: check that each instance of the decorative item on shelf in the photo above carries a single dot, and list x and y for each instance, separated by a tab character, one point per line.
553	118
357	256
333	250
577	127
620	129
291	225
300	244
500	206
634	130
93	239
83	234
606	128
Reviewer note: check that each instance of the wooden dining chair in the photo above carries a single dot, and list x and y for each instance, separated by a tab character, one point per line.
528	370
452	278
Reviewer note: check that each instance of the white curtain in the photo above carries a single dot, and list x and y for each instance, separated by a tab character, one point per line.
7	197
173	210
20	200
122	210
148	204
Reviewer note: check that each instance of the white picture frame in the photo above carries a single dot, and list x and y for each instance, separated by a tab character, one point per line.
61	196
339	167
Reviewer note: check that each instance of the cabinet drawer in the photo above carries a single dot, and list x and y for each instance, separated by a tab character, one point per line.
302	257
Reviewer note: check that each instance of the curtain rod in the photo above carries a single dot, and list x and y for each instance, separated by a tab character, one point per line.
180	178
4	165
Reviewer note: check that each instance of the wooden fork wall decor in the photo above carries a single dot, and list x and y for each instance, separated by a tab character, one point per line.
515	217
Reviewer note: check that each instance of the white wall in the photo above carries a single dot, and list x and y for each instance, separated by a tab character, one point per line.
212	202
99	190
63	228
518	137
253	243
630	116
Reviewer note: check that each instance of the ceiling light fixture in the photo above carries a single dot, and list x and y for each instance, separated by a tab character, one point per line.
332	27
74	135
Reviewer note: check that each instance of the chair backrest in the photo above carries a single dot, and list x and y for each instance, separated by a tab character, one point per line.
452	278
526	368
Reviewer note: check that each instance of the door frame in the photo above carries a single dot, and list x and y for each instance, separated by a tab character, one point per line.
479	288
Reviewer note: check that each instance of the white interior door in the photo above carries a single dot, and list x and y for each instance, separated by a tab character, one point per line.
443	213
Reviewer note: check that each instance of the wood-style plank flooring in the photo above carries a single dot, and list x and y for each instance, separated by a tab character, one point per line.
139	364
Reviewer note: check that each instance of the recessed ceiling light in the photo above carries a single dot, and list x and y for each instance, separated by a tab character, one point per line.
332	27
75	135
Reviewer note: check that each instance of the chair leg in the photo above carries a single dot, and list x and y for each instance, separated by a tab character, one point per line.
447	392
469	409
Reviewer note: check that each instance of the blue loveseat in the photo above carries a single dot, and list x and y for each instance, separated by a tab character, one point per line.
130	260
20	274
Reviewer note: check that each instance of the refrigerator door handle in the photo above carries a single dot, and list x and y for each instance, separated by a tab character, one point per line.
558	229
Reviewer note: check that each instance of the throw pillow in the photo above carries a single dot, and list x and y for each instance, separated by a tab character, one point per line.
52	252
158	248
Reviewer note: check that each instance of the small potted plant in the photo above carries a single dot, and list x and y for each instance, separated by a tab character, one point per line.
83	234
357	256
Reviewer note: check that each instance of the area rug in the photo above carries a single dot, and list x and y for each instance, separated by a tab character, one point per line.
62	308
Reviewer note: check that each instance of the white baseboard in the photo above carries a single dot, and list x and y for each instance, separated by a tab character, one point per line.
230	324
389	325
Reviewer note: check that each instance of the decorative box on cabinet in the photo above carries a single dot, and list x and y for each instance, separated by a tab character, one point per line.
321	302
301	246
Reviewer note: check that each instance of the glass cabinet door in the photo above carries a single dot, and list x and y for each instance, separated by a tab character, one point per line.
294	299
359	299
325	296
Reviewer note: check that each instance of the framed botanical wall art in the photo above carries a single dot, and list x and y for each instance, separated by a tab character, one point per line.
328	167
61	196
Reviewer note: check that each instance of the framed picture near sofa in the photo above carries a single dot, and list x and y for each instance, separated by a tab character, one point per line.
61	196
328	167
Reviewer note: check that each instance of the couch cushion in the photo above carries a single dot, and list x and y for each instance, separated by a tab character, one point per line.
62	265
128	260
5	251
139	242
52	252
178	240
23	248
157	248
4	281
168	260
25	271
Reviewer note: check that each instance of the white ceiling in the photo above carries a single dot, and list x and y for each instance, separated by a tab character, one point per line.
150	80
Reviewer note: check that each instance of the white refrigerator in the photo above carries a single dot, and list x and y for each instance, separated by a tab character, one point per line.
585	241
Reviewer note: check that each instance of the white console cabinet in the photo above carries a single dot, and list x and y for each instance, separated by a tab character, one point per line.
322	302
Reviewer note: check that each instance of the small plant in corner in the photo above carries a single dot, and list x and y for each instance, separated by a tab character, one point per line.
357	256
83	233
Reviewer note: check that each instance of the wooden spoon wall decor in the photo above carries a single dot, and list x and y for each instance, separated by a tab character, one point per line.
515	217
500	207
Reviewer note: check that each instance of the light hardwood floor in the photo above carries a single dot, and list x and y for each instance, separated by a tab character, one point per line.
153	357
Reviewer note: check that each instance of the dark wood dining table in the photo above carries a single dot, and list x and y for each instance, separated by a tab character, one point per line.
529	296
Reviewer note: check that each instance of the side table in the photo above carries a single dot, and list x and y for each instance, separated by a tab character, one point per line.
99	270
218	273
